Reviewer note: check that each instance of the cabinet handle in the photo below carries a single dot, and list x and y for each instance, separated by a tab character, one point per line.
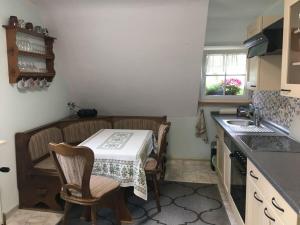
266	214
254	86
287	90
252	175
275	204
255	196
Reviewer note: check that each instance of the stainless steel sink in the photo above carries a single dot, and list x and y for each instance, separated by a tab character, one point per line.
246	125
240	122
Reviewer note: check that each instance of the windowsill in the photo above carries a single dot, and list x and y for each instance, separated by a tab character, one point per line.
224	102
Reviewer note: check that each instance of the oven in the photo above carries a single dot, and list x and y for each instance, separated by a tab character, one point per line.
238	176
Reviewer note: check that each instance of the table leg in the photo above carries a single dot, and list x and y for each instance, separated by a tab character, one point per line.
121	207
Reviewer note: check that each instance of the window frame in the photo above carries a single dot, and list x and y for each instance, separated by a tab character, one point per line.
222	98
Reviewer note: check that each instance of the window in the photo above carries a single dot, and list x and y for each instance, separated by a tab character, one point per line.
224	74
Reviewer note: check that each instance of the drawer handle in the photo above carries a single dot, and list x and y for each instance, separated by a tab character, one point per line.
252	175
258	199
254	86
286	90
266	214
275	204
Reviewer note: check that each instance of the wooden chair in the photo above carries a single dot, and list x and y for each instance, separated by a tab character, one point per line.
155	165
74	165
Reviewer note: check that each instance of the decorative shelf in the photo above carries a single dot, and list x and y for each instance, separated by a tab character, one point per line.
26	31
13	54
37	74
37	55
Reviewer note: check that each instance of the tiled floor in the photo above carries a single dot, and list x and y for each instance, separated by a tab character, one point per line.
197	171
177	170
30	217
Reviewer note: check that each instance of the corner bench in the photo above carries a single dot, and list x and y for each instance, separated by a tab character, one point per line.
38	181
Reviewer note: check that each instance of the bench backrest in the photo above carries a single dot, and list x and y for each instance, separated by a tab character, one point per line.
139	123
38	143
77	132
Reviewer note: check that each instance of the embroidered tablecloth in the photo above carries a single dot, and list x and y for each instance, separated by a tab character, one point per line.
121	154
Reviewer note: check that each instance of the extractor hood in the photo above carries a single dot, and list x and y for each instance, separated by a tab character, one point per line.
268	42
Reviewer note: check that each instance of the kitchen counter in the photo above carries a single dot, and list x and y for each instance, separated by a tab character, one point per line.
281	169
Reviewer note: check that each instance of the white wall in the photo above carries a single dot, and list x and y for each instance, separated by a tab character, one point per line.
135	57
183	144
22	111
131	57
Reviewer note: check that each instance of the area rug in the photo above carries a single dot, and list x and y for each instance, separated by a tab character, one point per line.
182	204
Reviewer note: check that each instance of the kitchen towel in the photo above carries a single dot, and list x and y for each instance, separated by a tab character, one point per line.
201	127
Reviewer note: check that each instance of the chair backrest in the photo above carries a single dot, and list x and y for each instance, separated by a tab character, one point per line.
74	165
162	138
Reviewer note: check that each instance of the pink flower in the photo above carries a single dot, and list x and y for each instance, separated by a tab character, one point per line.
233	82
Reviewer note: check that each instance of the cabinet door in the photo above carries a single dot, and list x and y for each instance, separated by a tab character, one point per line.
254	28
290	79
254	205
220	151
270	218
227	167
253	72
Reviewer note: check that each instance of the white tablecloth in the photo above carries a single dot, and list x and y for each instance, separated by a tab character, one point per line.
121	154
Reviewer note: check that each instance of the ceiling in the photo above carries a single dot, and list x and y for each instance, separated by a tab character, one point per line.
227	19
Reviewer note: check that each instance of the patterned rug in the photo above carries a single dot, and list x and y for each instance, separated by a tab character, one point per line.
182	204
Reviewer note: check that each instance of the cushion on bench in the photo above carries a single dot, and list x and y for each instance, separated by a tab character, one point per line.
78	132
137	124
47	164
38	143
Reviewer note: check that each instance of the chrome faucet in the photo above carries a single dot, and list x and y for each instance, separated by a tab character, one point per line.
256	115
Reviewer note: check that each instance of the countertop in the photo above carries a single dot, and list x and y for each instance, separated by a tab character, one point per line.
281	169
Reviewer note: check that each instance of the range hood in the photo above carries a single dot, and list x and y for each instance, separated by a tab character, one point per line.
268	42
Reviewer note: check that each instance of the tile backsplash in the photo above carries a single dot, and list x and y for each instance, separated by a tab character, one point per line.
276	108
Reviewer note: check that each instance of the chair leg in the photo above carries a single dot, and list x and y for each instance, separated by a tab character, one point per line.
94	214
156	190
86	214
66	212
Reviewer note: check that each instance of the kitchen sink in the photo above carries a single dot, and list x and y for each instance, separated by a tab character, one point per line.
240	122
246	125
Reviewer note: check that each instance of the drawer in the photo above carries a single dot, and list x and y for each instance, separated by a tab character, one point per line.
271	217
282	209
275	201
256	177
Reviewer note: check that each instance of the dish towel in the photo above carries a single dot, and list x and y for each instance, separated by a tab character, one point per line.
201	127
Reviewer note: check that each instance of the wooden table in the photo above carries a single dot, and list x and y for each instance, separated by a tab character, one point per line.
121	154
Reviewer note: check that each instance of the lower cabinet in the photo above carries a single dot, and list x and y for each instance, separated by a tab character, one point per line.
258	212
264	205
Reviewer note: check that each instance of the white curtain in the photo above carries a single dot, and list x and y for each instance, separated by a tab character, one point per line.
230	64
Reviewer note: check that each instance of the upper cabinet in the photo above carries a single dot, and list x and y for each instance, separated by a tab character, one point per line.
290	79
264	72
260	23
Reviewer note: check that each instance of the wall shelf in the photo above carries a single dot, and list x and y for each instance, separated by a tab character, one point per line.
13	54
